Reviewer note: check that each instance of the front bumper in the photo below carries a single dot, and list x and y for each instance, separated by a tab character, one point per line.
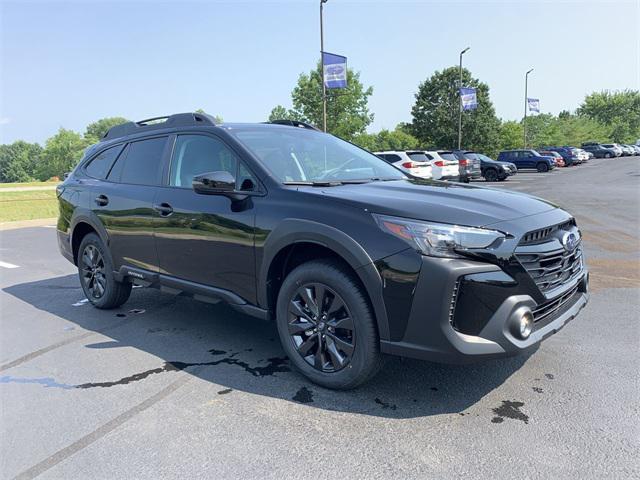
463	311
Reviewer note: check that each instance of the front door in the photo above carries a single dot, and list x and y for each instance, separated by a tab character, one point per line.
208	239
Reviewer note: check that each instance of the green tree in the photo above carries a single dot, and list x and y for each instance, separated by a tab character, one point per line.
347	109
280	113
435	113
18	161
61	153
387	140
217	118
619	110
510	136
96	130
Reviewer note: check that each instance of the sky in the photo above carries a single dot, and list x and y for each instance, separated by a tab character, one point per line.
66	64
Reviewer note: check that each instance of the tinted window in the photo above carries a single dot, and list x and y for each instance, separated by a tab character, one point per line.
99	167
140	163
391	158
418	157
448	156
197	154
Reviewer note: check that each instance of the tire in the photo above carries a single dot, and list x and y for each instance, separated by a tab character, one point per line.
607	155
300	327
491	175
542	167
95	270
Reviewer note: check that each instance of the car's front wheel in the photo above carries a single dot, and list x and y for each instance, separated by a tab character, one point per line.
95	269
607	155
543	167
326	325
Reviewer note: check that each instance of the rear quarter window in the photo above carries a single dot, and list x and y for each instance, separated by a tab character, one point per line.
140	163
101	164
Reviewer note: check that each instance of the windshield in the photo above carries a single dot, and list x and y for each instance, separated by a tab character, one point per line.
300	155
484	157
534	153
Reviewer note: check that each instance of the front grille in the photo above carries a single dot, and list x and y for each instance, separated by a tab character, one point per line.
543	234
548	311
553	268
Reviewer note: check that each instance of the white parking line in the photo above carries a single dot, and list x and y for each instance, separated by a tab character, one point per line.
8	265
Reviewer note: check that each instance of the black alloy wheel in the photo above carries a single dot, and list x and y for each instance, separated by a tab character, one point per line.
321	327
543	167
93	271
490	175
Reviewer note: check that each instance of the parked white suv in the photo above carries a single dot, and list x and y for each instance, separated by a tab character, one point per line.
443	169
613	146
414	162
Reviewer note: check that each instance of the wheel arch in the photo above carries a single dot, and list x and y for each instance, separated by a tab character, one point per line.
295	241
83	223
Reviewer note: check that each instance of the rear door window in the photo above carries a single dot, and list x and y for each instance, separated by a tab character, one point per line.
101	164
140	163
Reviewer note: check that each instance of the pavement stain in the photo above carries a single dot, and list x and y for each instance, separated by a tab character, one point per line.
225	391
509	409
304	395
45	382
386	405
537	389
274	365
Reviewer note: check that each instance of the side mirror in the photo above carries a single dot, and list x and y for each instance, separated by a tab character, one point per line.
214	183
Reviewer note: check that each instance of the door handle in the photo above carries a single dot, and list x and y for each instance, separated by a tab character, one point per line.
102	200
164	209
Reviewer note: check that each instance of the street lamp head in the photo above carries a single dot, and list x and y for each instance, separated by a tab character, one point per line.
530	71
465	50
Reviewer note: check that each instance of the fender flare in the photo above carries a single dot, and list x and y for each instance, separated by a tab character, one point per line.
292	230
83	215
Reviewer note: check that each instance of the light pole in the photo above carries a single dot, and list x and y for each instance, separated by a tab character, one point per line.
460	102
324	87
526	94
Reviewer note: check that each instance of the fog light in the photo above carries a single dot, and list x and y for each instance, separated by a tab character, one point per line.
525	325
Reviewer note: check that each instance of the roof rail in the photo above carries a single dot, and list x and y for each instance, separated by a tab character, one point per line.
295	123
156	123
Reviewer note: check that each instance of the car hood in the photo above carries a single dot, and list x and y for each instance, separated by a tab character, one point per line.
436	201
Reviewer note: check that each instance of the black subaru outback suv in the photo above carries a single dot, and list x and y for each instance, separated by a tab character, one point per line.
349	256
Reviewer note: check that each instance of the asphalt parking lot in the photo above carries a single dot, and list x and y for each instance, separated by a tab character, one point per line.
166	387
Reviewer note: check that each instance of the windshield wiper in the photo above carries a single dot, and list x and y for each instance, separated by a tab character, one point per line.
315	184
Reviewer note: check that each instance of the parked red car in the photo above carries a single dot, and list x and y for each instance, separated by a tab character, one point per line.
556	157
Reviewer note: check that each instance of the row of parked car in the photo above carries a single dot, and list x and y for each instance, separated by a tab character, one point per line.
467	165
610	150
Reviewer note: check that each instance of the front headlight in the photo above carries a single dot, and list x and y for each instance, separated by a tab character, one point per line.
505	167
438	239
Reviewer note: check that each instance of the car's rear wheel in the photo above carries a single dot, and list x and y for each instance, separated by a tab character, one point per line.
326	325
543	167
95	269
490	175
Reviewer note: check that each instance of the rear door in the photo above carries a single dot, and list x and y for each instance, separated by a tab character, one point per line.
124	203
207	239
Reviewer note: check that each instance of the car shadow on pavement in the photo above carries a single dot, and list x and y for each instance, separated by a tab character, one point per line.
236	352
